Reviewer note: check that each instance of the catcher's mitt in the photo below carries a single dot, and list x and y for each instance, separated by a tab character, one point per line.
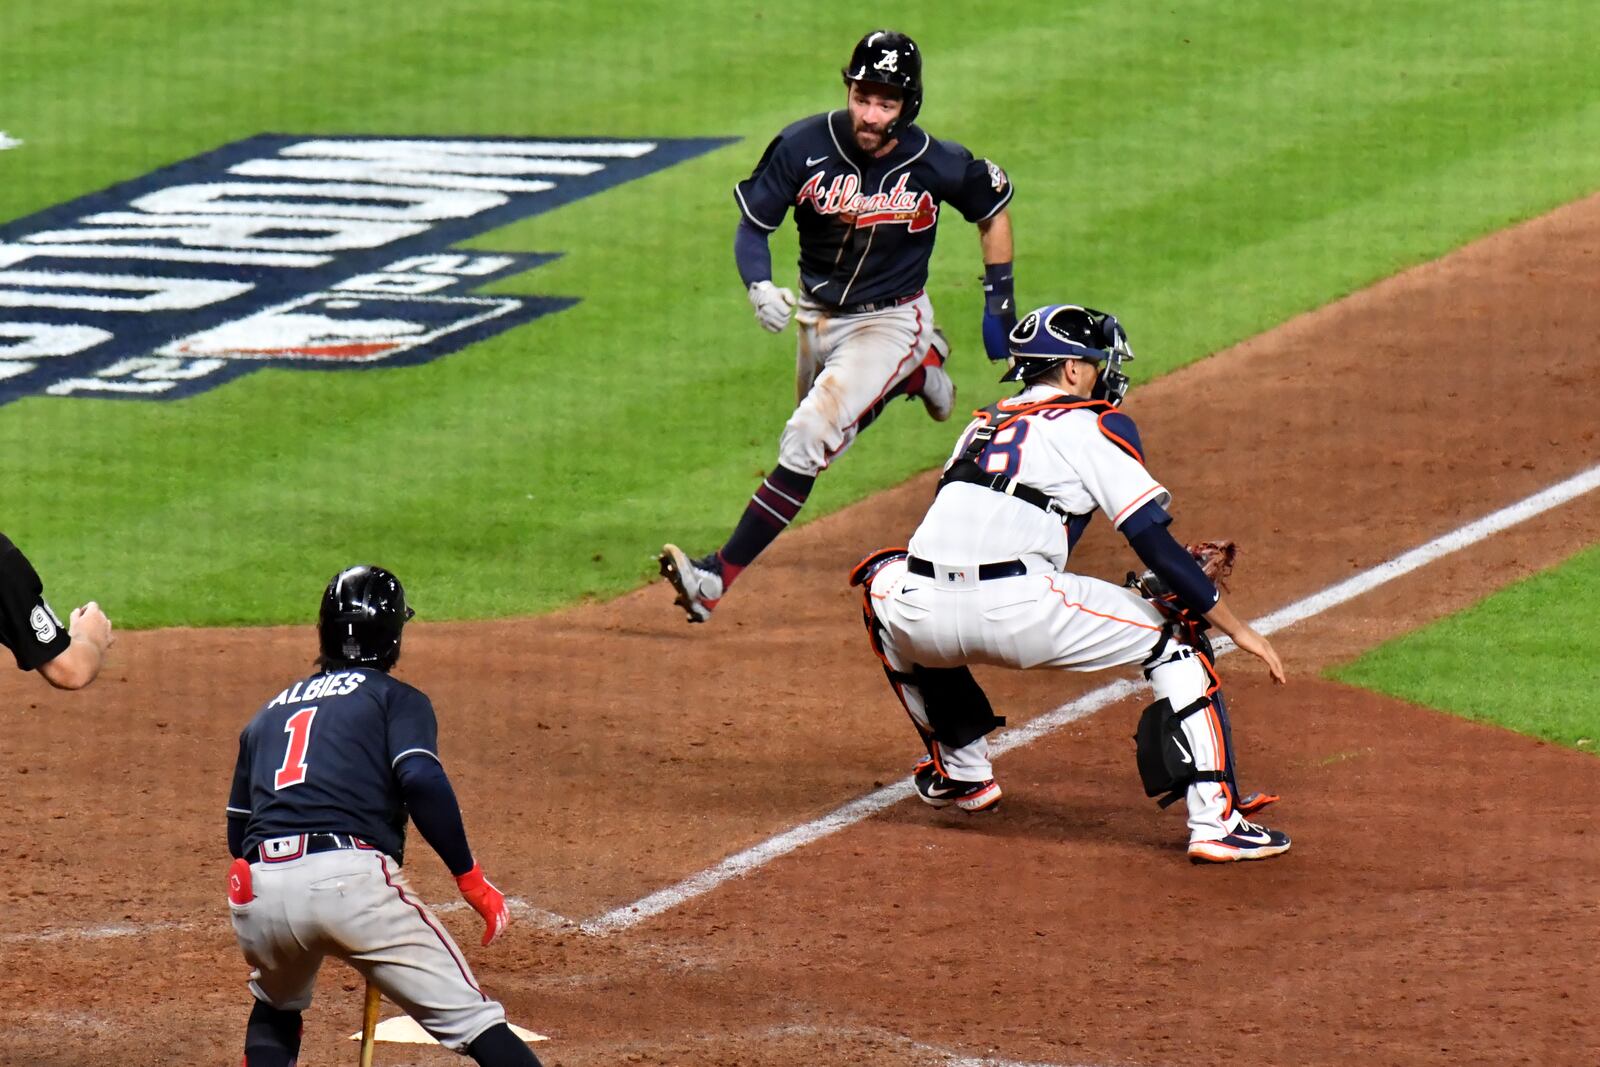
1214	557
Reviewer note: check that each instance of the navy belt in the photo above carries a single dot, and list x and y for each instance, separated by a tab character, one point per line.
1010	568
870	305
307	845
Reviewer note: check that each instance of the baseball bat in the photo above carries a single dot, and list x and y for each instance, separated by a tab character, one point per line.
369	1023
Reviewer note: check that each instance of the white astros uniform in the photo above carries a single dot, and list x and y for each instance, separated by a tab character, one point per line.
845	367
1047	617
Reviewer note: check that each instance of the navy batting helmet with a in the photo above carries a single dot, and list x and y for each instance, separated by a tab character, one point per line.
1049	336
887	57
363	611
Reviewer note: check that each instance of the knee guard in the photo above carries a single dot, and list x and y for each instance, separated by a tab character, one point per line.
958	710
1166	765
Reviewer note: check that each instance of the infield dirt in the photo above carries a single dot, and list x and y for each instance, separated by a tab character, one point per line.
1438	906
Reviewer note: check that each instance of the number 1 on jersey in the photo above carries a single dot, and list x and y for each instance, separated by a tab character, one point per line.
293	771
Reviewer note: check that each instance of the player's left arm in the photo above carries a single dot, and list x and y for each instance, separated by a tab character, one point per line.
431	801
981	191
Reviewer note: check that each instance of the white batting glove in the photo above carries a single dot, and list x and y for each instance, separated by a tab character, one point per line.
773	306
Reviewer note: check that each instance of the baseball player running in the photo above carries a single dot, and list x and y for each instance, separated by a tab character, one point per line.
986	580
68	658
328	771
866	186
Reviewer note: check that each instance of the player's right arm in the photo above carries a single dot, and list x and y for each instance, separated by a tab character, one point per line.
764	200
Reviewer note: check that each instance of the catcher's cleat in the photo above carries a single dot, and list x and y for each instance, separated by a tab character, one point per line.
940	792
1246	841
938	392
698	581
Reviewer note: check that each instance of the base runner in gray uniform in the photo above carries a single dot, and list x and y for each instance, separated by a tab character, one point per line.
327	773
866	186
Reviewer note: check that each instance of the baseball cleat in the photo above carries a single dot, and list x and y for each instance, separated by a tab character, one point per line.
938	391
940	792
698	581
1247	841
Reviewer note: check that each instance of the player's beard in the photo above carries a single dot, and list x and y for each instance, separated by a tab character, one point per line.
869	138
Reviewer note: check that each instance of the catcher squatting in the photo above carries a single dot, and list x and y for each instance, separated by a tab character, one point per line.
985	580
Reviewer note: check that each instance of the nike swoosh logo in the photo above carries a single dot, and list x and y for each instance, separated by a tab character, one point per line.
934	791
1183	752
813	162
1257	838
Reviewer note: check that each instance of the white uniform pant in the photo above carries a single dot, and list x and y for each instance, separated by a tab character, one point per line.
355	904
845	368
1052	619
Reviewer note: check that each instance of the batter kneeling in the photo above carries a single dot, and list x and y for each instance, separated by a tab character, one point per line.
985	580
328	771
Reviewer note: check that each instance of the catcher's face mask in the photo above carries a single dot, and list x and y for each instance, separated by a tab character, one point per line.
1048	336
1113	384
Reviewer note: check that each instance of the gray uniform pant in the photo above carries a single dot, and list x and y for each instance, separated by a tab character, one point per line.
355	905
845	365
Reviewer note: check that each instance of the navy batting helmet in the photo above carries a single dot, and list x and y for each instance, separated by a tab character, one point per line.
1049	336
363	611
887	57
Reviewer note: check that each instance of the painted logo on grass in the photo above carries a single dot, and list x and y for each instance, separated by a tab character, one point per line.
322	252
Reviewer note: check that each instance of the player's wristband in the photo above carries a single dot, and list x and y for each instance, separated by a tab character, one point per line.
999	290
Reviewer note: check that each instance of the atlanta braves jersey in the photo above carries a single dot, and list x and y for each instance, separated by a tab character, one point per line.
321	757
866	224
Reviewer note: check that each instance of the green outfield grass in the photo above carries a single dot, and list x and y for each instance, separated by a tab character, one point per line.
1523	658
1205	169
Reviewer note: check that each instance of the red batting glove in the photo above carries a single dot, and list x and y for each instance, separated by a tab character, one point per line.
486	900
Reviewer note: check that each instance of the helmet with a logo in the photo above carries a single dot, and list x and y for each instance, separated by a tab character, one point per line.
886	57
363	611
1049	336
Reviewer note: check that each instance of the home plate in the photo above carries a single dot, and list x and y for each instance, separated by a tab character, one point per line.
404	1030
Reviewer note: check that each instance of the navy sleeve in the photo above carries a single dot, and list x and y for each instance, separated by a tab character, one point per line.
27	625
412	726
1171	562
751	254
239	802
977	187
432	803
765	196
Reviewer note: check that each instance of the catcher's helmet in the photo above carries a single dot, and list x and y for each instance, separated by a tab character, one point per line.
363	611
1049	336
890	58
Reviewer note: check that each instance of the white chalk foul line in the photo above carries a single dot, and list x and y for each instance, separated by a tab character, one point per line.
742	863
